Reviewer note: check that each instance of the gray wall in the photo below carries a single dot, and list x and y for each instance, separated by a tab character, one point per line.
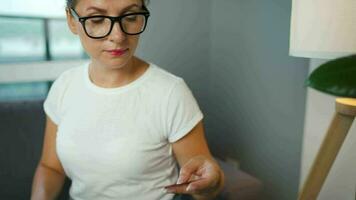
234	56
257	97
178	39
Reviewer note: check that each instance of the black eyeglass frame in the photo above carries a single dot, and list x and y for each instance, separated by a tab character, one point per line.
82	20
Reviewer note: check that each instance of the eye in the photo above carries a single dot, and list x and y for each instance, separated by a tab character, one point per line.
131	18
97	20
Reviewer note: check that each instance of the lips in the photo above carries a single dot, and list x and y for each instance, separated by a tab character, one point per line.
117	52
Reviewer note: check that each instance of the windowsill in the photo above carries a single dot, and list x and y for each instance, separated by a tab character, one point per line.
35	71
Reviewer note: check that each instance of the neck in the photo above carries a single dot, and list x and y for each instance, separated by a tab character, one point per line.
109	77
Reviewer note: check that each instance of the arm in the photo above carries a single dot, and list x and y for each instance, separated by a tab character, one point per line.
49	176
194	158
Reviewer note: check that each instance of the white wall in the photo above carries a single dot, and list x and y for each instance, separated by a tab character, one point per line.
341	182
44	8
35	71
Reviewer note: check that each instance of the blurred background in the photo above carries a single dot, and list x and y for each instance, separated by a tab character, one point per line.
233	54
32	32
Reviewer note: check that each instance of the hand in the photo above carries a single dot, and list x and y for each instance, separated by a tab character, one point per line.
201	177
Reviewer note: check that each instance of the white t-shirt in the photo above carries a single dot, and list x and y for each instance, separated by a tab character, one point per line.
115	143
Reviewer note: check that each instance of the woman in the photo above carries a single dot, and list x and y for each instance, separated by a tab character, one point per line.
118	126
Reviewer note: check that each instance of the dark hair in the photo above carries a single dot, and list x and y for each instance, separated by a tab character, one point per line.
73	3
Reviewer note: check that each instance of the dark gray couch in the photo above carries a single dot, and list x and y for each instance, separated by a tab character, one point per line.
21	130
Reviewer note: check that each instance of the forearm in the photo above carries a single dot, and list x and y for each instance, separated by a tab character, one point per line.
47	183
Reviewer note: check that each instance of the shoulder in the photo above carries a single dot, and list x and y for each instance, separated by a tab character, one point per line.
66	78
70	74
163	78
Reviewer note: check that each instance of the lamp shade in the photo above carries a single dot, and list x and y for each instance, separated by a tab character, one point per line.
323	28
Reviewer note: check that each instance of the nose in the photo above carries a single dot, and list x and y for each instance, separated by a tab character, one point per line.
116	33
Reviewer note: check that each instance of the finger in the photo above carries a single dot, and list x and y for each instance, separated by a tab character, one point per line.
207	180
178	189
190	188
188	169
193	178
199	186
184	178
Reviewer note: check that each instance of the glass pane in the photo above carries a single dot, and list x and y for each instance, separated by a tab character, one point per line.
63	43
21	40
23	91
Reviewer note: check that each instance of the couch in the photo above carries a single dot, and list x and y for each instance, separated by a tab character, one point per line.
21	129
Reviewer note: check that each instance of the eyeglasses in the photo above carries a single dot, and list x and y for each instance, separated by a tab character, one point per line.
100	26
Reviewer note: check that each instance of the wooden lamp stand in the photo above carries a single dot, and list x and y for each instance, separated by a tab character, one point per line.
345	113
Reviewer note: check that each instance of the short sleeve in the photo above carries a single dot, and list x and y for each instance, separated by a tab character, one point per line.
51	105
183	112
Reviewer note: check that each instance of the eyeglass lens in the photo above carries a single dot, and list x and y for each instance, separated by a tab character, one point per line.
101	26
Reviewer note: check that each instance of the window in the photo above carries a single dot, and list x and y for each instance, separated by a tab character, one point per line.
31	39
23	91
63	44
21	40
37	38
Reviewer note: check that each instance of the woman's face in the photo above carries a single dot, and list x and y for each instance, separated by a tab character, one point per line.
116	49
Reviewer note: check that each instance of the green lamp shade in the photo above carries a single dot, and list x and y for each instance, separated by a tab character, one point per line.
336	77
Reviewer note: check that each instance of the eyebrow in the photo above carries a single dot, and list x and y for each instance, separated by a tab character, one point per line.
104	10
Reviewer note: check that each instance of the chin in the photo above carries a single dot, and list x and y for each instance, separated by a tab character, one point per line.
116	63
113	62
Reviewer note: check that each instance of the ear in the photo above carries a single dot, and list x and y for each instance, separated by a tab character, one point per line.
71	22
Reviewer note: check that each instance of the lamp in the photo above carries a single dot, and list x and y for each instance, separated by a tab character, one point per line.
327	29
